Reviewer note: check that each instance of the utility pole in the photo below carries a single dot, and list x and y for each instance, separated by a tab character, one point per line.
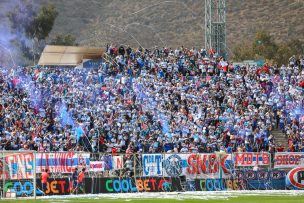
215	26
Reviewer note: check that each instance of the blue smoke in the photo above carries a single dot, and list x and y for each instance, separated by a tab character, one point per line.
165	126
79	132
65	116
34	93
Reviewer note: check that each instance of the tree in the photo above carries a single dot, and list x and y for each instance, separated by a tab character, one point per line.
284	52
296	46
264	46
21	18
31	28
66	40
43	23
242	52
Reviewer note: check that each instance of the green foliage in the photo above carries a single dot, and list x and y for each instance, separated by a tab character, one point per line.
242	52
284	52
44	22
264	47
21	18
66	40
296	46
25	21
31	28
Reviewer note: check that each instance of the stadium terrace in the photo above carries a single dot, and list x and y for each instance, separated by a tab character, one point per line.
151	101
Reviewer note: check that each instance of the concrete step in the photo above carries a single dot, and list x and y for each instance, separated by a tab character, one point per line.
280	137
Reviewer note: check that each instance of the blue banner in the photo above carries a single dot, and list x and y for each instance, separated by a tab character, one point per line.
93	63
152	164
263	179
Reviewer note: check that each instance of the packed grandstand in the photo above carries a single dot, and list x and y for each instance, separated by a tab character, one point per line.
153	101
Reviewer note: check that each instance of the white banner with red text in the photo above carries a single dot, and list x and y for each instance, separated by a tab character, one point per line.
288	159
61	162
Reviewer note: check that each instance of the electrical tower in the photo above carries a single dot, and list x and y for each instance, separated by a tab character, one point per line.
215	26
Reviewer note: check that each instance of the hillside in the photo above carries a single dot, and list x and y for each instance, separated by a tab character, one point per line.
174	23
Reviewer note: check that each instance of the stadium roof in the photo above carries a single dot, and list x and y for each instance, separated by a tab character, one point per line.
68	55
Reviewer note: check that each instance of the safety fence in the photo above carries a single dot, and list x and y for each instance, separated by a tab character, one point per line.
108	173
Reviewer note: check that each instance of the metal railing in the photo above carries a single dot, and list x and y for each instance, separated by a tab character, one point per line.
20	171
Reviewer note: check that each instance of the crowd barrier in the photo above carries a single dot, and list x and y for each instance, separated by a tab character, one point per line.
20	172
249	180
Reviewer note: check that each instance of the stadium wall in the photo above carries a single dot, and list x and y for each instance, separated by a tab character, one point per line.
20	172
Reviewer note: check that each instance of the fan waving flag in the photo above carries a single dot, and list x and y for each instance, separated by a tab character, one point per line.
140	62
223	64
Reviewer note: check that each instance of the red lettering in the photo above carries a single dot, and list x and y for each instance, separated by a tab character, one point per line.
239	158
222	162
285	160
62	183
201	164
192	165
160	184
63	165
62	162
213	165
279	159
291	159
153	181
118	162
19	161
70	186
265	159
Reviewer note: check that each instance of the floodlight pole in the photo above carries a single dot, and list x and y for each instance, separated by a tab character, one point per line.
215	26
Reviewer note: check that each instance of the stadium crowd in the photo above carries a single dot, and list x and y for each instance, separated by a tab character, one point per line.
165	100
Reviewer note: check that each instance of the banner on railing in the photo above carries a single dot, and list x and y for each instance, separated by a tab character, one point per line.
97	166
262	179
61	162
118	162
251	159
143	184
189	165
107	163
219	184
175	165
212	165
152	164
245	180
56	186
20	165
21	188
295	179
288	160
208	165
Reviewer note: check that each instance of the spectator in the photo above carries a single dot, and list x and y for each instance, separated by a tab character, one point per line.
152	101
